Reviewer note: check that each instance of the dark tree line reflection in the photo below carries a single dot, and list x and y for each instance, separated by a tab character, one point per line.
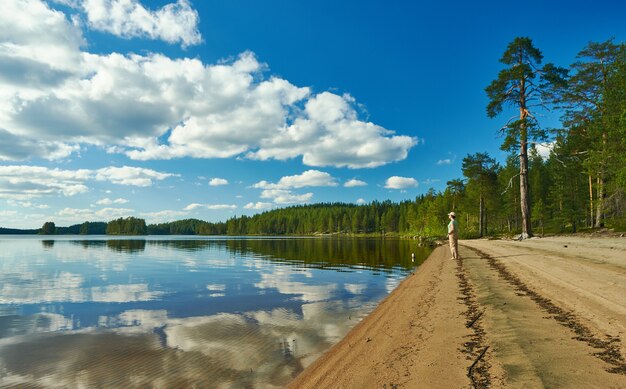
317	252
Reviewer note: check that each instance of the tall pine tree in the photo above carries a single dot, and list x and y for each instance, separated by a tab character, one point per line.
526	86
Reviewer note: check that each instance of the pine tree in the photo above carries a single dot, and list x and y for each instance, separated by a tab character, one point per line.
481	171
592	110
526	86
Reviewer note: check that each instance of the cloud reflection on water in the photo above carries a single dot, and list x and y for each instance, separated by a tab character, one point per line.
260	349
179	313
67	287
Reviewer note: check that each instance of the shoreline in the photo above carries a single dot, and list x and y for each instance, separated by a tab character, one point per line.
376	353
540	312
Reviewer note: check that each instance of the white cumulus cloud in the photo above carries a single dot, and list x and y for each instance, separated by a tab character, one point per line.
164	216
77	215
281	192
354	182
259	205
330	134
26	204
282	196
218	181
194	206
308	178
128	175
55	96
24	182
172	23
108	201
396	182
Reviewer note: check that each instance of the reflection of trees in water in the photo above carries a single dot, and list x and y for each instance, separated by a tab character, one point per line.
126	245
183	244
379	253
315	252
119	245
89	243
47	243
135	245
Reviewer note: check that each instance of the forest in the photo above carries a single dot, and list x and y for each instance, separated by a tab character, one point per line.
127	226
577	183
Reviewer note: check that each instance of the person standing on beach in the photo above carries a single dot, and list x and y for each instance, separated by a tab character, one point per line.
453	235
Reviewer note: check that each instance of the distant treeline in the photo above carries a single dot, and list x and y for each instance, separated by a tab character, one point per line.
188	227
324	218
121	226
86	228
17	231
425	216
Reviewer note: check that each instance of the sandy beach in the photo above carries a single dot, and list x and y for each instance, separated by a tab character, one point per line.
543	312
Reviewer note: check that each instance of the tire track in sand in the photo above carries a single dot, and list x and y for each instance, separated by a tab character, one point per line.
535	342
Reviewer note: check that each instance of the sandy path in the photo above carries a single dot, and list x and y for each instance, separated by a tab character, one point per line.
411	340
529	348
583	275
550	313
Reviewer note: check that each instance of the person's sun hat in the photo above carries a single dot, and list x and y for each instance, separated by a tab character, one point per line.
452	214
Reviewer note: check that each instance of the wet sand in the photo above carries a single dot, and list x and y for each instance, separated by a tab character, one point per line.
547	312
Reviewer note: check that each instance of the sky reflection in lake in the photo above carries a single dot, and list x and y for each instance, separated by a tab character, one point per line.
218	312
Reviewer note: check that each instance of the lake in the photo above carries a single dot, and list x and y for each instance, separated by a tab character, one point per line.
218	312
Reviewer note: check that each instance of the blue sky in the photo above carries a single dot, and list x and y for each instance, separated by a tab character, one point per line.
209	109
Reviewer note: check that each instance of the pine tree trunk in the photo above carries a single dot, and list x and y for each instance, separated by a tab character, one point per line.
600	195
523	178
526	227
480	217
516	208
600	199
591	220
486	229
523	161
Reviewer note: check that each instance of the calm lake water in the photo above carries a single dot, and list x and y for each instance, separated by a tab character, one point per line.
184	311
